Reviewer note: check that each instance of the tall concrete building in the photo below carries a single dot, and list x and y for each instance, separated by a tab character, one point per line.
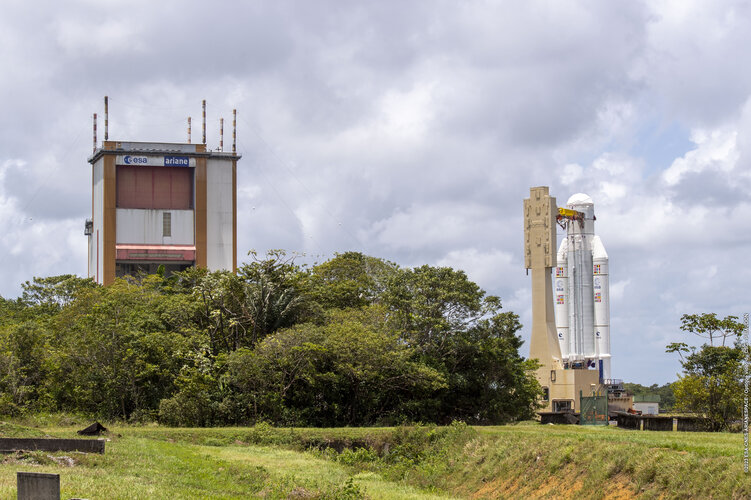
156	204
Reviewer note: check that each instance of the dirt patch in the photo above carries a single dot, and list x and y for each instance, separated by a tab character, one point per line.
64	460
563	483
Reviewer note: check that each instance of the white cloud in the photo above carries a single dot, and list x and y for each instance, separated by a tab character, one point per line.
617	289
487	269
411	132
716	151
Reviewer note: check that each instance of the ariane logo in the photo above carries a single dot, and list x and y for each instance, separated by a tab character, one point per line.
176	161
135	160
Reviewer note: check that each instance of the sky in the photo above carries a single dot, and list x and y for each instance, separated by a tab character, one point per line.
410	131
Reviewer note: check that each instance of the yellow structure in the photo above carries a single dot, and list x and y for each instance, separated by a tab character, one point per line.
540	244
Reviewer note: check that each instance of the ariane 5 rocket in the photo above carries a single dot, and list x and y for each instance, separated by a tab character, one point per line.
582	291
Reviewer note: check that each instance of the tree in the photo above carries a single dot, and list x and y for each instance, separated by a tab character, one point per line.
433	303
352	370
488	381
709	326
23	367
665	393
351	279
113	353
456	329
711	384
54	292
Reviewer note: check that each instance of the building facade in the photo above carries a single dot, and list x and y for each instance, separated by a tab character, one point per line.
161	204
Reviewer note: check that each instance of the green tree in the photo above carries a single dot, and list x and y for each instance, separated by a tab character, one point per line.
709	326
23	367
54	292
113	353
274	295
456	329
488	381
711	384
433	303
352	370
665	392
351	280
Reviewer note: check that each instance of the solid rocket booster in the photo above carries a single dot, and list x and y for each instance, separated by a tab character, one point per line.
582	292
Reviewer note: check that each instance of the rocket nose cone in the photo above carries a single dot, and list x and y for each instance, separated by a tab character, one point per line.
579	199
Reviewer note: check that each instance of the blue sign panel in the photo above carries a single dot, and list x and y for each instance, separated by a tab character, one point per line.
176	161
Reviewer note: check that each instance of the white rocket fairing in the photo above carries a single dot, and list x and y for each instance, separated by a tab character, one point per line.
582	292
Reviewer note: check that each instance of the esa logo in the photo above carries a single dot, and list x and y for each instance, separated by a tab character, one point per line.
135	160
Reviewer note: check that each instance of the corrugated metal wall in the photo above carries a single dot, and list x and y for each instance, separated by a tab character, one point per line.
154	187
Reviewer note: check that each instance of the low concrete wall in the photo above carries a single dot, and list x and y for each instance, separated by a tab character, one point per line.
43	444
693	424
558	417
661	423
655	423
628	420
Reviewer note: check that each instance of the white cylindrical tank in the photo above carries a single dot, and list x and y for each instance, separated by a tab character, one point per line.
600	273
560	292
581	307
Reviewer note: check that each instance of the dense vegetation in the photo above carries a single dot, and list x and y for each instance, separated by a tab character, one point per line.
665	393
355	340
713	375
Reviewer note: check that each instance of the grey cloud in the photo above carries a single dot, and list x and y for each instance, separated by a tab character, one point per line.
410	131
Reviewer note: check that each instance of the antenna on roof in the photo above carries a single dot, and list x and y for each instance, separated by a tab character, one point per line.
204	121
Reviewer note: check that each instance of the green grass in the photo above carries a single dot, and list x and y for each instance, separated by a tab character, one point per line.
517	461
154	462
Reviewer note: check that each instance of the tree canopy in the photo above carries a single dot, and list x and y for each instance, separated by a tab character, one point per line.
712	379
355	340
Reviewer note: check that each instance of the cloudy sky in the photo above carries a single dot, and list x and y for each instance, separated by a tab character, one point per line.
412	131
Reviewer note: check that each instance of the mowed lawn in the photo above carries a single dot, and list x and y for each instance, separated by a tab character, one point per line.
142	463
528	460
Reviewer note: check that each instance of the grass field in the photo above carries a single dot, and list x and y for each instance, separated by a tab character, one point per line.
520	461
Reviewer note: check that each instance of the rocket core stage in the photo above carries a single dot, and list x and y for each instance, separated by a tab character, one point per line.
582	290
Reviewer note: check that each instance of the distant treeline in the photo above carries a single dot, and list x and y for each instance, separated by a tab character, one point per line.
665	393
355	340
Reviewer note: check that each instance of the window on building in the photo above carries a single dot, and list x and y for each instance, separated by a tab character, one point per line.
565	405
167	224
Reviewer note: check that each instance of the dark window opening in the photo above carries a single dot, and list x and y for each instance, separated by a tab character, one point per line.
565	405
136	268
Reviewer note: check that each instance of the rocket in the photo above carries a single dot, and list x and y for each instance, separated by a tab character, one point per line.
582	291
